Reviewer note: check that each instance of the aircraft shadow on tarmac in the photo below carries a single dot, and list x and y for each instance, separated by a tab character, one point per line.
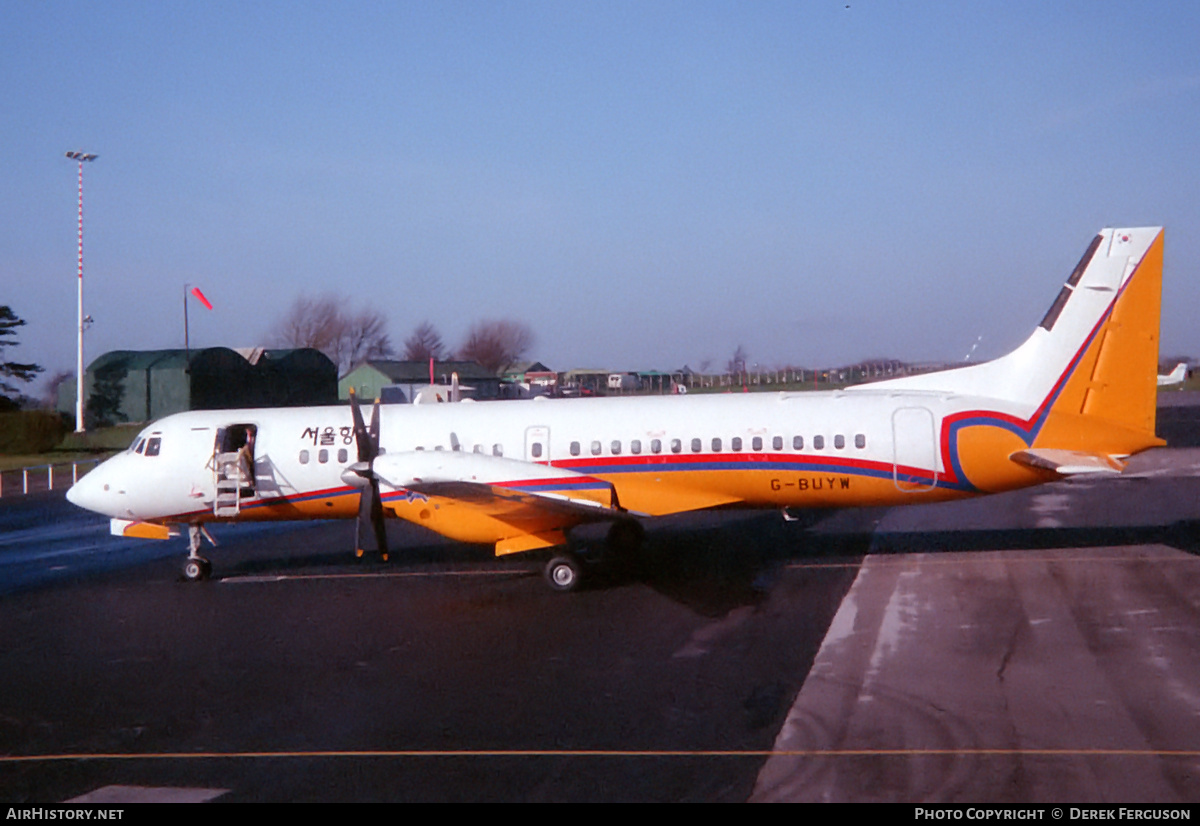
715	568
717	561
410	546
711	562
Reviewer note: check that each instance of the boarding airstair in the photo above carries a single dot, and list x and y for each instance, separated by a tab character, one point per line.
231	482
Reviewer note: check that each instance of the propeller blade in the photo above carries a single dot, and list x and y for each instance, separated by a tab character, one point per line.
362	525
370	504
367	446
377	521
370	521
374	431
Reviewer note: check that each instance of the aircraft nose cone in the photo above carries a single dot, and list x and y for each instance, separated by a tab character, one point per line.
88	492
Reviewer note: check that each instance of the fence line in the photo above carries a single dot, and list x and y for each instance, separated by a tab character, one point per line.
42	477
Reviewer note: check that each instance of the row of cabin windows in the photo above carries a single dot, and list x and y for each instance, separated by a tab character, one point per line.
343	456
716	445
497	449
635	447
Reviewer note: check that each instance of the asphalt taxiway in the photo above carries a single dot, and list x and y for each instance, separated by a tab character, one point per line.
1034	646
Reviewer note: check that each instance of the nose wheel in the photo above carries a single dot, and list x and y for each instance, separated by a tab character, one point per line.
197	568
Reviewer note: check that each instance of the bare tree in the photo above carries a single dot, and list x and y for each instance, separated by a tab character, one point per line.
325	324
496	344
50	396
737	364
365	337
424	344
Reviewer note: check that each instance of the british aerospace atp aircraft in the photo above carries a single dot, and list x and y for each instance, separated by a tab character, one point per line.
1078	397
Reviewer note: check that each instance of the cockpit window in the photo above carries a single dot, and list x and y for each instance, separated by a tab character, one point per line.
138	445
152	445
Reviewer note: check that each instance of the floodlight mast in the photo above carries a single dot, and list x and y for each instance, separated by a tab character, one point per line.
79	158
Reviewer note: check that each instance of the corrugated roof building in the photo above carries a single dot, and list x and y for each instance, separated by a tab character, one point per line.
143	385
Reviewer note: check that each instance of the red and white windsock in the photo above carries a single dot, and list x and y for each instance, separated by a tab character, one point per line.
199	295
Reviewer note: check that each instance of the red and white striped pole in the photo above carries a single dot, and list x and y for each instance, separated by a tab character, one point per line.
80	157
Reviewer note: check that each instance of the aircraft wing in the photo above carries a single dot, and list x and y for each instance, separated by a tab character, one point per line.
516	504
503	499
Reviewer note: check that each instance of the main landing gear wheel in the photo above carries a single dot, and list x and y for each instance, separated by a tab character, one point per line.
564	573
197	569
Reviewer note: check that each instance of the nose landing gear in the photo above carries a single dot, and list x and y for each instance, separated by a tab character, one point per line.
197	568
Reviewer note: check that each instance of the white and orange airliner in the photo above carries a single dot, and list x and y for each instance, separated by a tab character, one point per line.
1078	397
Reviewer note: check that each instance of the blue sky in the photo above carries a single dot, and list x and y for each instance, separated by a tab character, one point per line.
646	184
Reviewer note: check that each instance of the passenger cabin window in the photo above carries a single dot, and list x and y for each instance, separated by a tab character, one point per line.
323	456
304	457
716	445
635	446
797	443
697	446
616	447
757	443
735	444
839	441
596	447
497	450
818	442
536	450
656	445
574	448
860	441
676	445
777	443
343	456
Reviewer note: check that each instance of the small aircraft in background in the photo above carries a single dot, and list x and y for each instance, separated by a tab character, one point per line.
1077	397
1176	376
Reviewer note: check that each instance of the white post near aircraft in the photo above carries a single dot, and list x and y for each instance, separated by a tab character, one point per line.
1078	397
